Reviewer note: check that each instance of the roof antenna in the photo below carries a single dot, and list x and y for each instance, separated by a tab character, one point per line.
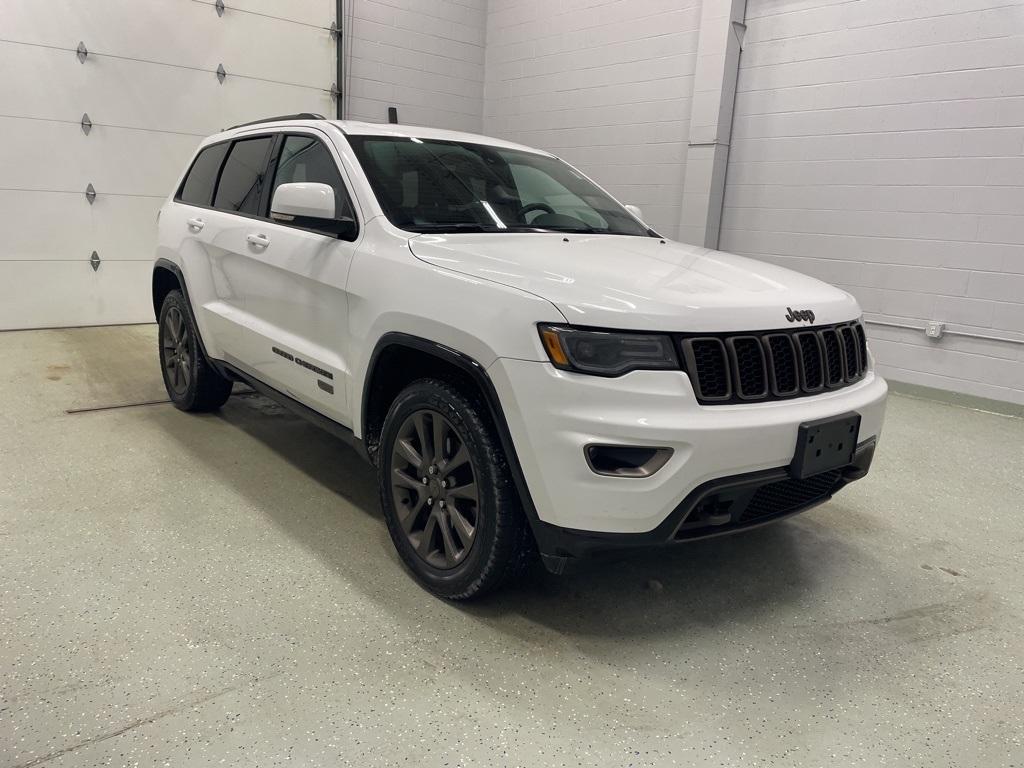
392	115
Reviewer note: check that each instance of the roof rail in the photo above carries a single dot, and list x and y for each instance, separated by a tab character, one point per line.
276	118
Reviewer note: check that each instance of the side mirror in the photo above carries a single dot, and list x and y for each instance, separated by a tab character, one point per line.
310	204
635	211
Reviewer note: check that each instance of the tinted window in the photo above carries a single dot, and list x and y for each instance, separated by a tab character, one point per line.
304	158
198	186
431	185
241	181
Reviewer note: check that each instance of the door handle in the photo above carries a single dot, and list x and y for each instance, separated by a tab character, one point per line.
196	224
260	241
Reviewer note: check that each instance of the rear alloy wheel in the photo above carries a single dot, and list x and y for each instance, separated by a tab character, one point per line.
448	498
192	383
177	354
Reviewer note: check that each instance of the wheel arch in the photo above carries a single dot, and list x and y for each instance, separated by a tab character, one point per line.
167	276
400	358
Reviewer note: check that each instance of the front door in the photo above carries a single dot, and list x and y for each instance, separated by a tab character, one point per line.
295	302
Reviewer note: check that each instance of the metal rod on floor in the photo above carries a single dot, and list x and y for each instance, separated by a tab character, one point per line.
116	405
90	409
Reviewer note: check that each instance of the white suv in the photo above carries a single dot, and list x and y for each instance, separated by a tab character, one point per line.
530	367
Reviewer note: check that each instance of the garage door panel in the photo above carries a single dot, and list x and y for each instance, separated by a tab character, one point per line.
309	12
111	91
165	99
150	89
29	226
58	156
53	294
193	36
125	227
116	226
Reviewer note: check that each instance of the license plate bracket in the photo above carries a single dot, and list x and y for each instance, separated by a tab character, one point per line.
825	444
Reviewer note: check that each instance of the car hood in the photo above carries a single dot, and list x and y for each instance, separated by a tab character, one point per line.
639	283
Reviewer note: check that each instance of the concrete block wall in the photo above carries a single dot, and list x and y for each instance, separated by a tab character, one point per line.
425	57
605	84
880	145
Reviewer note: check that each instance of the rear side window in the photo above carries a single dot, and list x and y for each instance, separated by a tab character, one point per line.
202	176
241	181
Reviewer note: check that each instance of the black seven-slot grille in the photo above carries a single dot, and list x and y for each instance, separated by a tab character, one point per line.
774	365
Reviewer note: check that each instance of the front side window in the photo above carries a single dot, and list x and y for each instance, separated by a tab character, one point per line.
241	181
304	158
202	176
428	185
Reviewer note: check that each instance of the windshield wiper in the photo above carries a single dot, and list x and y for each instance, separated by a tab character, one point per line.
583	230
454	226
470	226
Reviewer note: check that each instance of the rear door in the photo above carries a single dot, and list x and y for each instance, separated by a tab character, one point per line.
291	280
221	195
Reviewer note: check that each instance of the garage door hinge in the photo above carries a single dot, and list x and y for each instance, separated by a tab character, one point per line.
219	5
86	124
335	93
221	73
95	261
335	31
90	193
82	52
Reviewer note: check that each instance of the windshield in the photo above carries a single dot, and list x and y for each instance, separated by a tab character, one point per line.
429	185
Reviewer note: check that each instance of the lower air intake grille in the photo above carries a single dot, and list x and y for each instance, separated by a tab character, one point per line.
787	495
740	506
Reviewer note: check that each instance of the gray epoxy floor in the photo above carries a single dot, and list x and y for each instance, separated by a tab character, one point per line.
220	590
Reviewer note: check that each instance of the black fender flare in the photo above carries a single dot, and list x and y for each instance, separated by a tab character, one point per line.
174	269
543	532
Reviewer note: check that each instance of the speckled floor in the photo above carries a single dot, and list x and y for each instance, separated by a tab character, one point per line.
182	590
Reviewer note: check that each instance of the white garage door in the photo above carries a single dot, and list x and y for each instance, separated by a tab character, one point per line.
150	87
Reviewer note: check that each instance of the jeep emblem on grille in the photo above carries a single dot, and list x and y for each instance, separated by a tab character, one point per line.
796	315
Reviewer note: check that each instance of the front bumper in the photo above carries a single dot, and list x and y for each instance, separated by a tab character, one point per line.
552	415
717	507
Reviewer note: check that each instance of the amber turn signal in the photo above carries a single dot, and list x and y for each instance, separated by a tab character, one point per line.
553	344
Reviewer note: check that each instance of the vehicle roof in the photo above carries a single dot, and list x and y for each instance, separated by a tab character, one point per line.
358	128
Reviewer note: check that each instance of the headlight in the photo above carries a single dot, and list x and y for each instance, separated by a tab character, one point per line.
607	353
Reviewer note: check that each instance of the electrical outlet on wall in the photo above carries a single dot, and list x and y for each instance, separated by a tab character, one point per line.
934	329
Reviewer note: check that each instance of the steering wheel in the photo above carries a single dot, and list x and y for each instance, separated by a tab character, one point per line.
521	213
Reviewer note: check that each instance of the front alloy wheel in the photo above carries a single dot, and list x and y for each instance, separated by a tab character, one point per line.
447	493
433	487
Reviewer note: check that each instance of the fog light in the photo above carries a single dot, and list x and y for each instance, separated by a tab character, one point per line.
626	460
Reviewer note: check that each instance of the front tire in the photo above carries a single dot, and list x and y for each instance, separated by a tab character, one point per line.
448	498
192	383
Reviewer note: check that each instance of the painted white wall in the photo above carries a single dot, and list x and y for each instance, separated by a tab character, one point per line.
714	92
605	85
149	87
425	57
880	145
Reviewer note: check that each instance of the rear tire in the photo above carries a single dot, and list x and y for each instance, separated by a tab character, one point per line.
448	498
192	383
